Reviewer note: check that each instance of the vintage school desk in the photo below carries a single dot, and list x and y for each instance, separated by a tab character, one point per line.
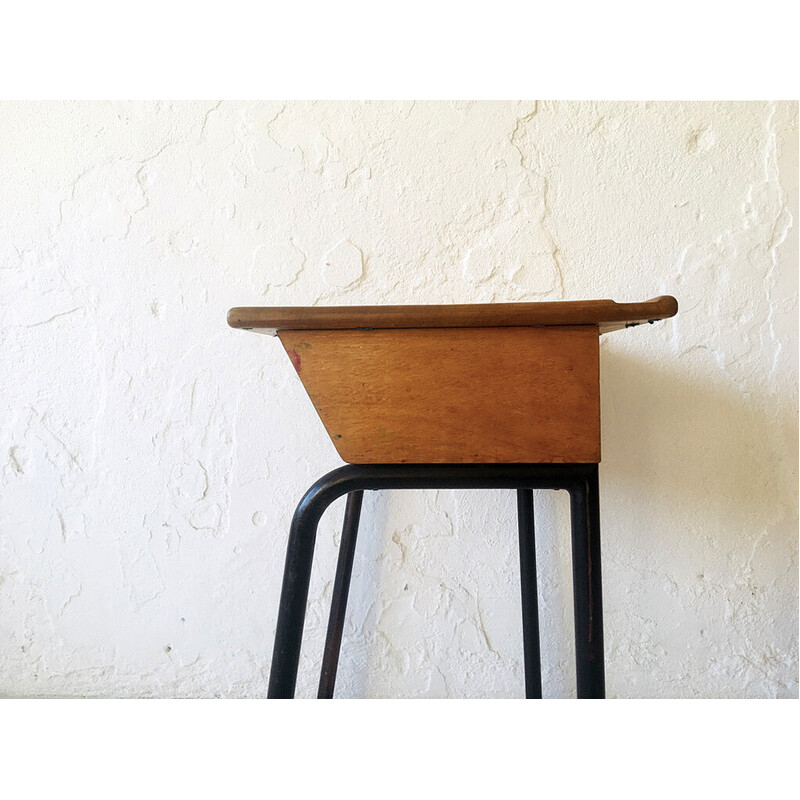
452	397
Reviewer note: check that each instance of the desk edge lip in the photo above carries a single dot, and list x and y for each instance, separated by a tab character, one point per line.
607	315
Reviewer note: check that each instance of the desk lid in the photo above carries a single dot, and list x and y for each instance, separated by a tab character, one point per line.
606	314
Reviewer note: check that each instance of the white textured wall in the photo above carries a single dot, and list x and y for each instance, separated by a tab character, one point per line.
152	457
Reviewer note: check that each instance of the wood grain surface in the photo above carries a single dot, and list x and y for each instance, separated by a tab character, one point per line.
454	395
605	314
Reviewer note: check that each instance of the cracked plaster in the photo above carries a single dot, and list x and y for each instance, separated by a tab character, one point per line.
151	457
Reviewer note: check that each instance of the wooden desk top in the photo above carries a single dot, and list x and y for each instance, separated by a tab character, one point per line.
606	314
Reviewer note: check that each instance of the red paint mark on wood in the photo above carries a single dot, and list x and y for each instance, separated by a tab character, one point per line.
295	359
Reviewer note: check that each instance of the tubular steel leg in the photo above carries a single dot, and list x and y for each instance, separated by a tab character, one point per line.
292	609
579	479
530	600
341	588
587	587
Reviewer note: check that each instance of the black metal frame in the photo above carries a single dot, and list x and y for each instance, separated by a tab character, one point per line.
580	480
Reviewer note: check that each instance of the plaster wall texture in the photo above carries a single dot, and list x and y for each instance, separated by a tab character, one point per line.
151	457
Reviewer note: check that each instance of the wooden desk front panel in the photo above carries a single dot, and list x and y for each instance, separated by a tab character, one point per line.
454	395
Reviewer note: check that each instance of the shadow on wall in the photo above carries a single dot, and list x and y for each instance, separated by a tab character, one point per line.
699	510
728	458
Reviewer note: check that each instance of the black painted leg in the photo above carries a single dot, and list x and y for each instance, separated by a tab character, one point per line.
294	590
579	479
587	586
341	589
530	600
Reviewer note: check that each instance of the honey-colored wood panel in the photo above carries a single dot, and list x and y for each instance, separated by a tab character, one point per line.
606	314
454	395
